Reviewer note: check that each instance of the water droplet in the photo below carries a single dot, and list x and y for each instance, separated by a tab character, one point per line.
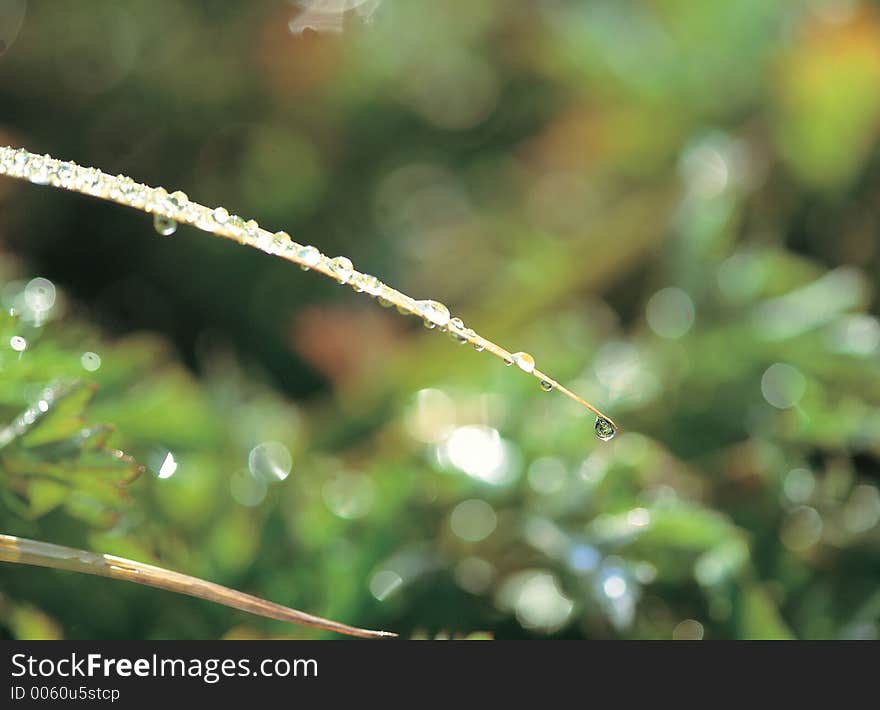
280	242
479	348
164	225
546	385
309	256
17	343
90	361
342	267
38	173
457	323
156	198
123	186
251	230
220	215
63	174
604	429
176	202
370	284
524	362
433	312
236	225
508	361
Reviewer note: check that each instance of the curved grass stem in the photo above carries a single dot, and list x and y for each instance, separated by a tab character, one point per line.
170	209
43	554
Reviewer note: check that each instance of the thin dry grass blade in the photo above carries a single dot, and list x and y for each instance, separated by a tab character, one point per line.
43	554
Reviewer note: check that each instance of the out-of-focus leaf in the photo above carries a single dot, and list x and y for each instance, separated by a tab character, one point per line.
758	616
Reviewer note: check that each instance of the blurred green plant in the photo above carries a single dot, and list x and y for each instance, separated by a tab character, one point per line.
674	202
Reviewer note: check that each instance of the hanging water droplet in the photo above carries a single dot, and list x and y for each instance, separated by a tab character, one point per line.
433	312
164	225
479	348
384	302
508	361
342	267
309	256
546	385
17	343
458	324
604	429
524	362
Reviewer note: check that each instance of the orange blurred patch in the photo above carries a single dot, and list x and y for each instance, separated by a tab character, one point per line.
342	342
825	47
294	64
572	141
828	84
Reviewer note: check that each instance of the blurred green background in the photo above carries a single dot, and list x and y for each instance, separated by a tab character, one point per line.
672	204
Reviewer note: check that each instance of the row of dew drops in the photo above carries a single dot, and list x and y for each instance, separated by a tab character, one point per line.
434	313
168	209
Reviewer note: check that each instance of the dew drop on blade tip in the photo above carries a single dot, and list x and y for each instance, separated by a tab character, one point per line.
604	429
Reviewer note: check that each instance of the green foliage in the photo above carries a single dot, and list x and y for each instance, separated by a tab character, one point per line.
49	454
671	205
